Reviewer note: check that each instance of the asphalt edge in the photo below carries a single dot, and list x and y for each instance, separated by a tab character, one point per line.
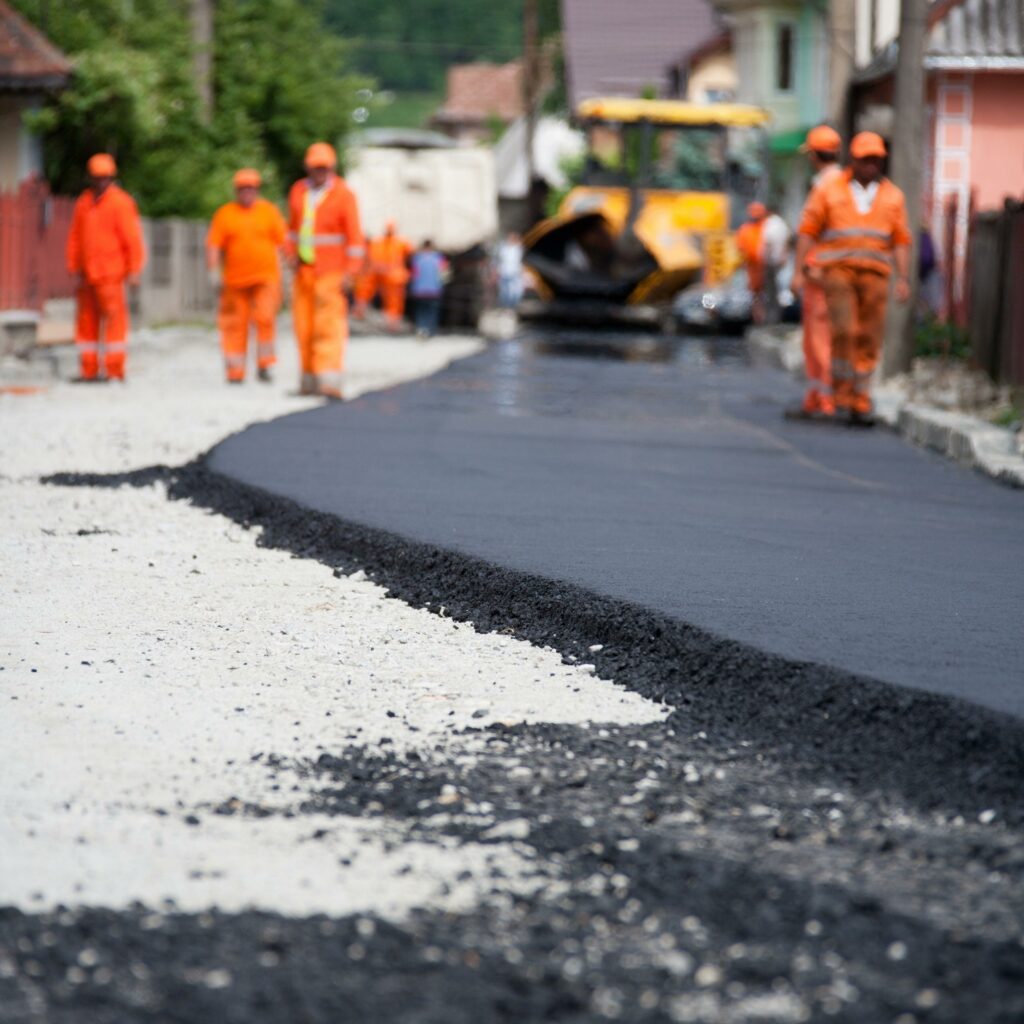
967	440
936	752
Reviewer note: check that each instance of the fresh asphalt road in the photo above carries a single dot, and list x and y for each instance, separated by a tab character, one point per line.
677	485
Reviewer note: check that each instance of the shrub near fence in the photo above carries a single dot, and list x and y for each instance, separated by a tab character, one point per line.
996	293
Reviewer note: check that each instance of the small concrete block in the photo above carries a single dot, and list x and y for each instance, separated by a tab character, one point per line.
17	331
55	332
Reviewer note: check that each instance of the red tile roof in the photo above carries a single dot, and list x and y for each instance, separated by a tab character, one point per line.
477	92
28	60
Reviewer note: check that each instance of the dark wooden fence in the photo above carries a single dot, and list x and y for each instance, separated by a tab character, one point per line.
995	311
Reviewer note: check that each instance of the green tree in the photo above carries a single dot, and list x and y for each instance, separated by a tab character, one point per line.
408	46
280	81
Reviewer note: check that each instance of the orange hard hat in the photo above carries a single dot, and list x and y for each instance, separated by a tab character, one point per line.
247	177
757	211
101	165
867	144
822	139
321	154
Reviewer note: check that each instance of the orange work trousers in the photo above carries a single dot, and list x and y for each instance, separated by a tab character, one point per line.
102	318
256	304
817	349
856	300
363	292
392	294
320	316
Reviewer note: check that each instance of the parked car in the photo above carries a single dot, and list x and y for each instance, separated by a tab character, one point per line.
728	307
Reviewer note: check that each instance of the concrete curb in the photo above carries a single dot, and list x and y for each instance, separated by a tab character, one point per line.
967	439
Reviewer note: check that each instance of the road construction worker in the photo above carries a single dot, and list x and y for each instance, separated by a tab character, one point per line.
750	243
857	223
822	148
775	236
325	244
242	254
104	250
429	274
386	271
365	286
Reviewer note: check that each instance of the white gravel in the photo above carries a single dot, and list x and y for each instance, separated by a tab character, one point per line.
148	650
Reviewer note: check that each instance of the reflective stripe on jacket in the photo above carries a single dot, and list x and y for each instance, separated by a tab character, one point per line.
822	178
849	238
328	237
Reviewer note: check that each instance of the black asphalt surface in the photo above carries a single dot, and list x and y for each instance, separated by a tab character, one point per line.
676	486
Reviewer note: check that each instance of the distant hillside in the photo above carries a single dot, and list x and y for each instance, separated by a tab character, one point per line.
407	46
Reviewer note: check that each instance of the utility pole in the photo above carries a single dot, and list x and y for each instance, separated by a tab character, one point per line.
531	87
202	55
906	168
842	29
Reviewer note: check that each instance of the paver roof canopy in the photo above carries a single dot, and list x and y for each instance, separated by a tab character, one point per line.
28	60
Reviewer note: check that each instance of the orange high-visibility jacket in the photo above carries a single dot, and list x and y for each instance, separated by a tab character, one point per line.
389	256
105	241
338	237
850	238
249	238
822	178
749	240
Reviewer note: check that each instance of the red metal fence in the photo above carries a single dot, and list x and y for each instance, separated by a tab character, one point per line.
34	227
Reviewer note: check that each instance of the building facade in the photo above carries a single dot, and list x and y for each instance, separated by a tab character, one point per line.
31	67
974	155
783	64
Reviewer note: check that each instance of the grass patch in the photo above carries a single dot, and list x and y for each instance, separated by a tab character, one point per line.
405	110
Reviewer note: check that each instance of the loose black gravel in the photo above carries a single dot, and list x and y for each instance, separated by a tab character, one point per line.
794	843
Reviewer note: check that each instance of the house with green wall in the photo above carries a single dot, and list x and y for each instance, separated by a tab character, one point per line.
783	62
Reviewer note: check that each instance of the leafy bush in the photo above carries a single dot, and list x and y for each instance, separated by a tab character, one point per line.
933	337
280	81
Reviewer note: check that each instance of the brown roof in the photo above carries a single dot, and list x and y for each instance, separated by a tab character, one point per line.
615	48
28	60
480	91
721	42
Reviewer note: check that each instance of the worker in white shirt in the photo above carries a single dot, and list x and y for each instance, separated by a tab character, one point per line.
775	235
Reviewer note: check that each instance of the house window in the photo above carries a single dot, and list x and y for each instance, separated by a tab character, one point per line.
785	57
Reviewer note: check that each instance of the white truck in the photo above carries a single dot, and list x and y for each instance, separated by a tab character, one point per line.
431	187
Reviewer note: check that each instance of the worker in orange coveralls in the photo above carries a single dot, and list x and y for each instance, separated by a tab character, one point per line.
822	148
325	244
386	270
750	242
858	223
104	249
366	282
242	253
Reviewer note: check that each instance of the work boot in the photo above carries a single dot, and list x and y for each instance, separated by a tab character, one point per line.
331	394
263	374
235	380
861	419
